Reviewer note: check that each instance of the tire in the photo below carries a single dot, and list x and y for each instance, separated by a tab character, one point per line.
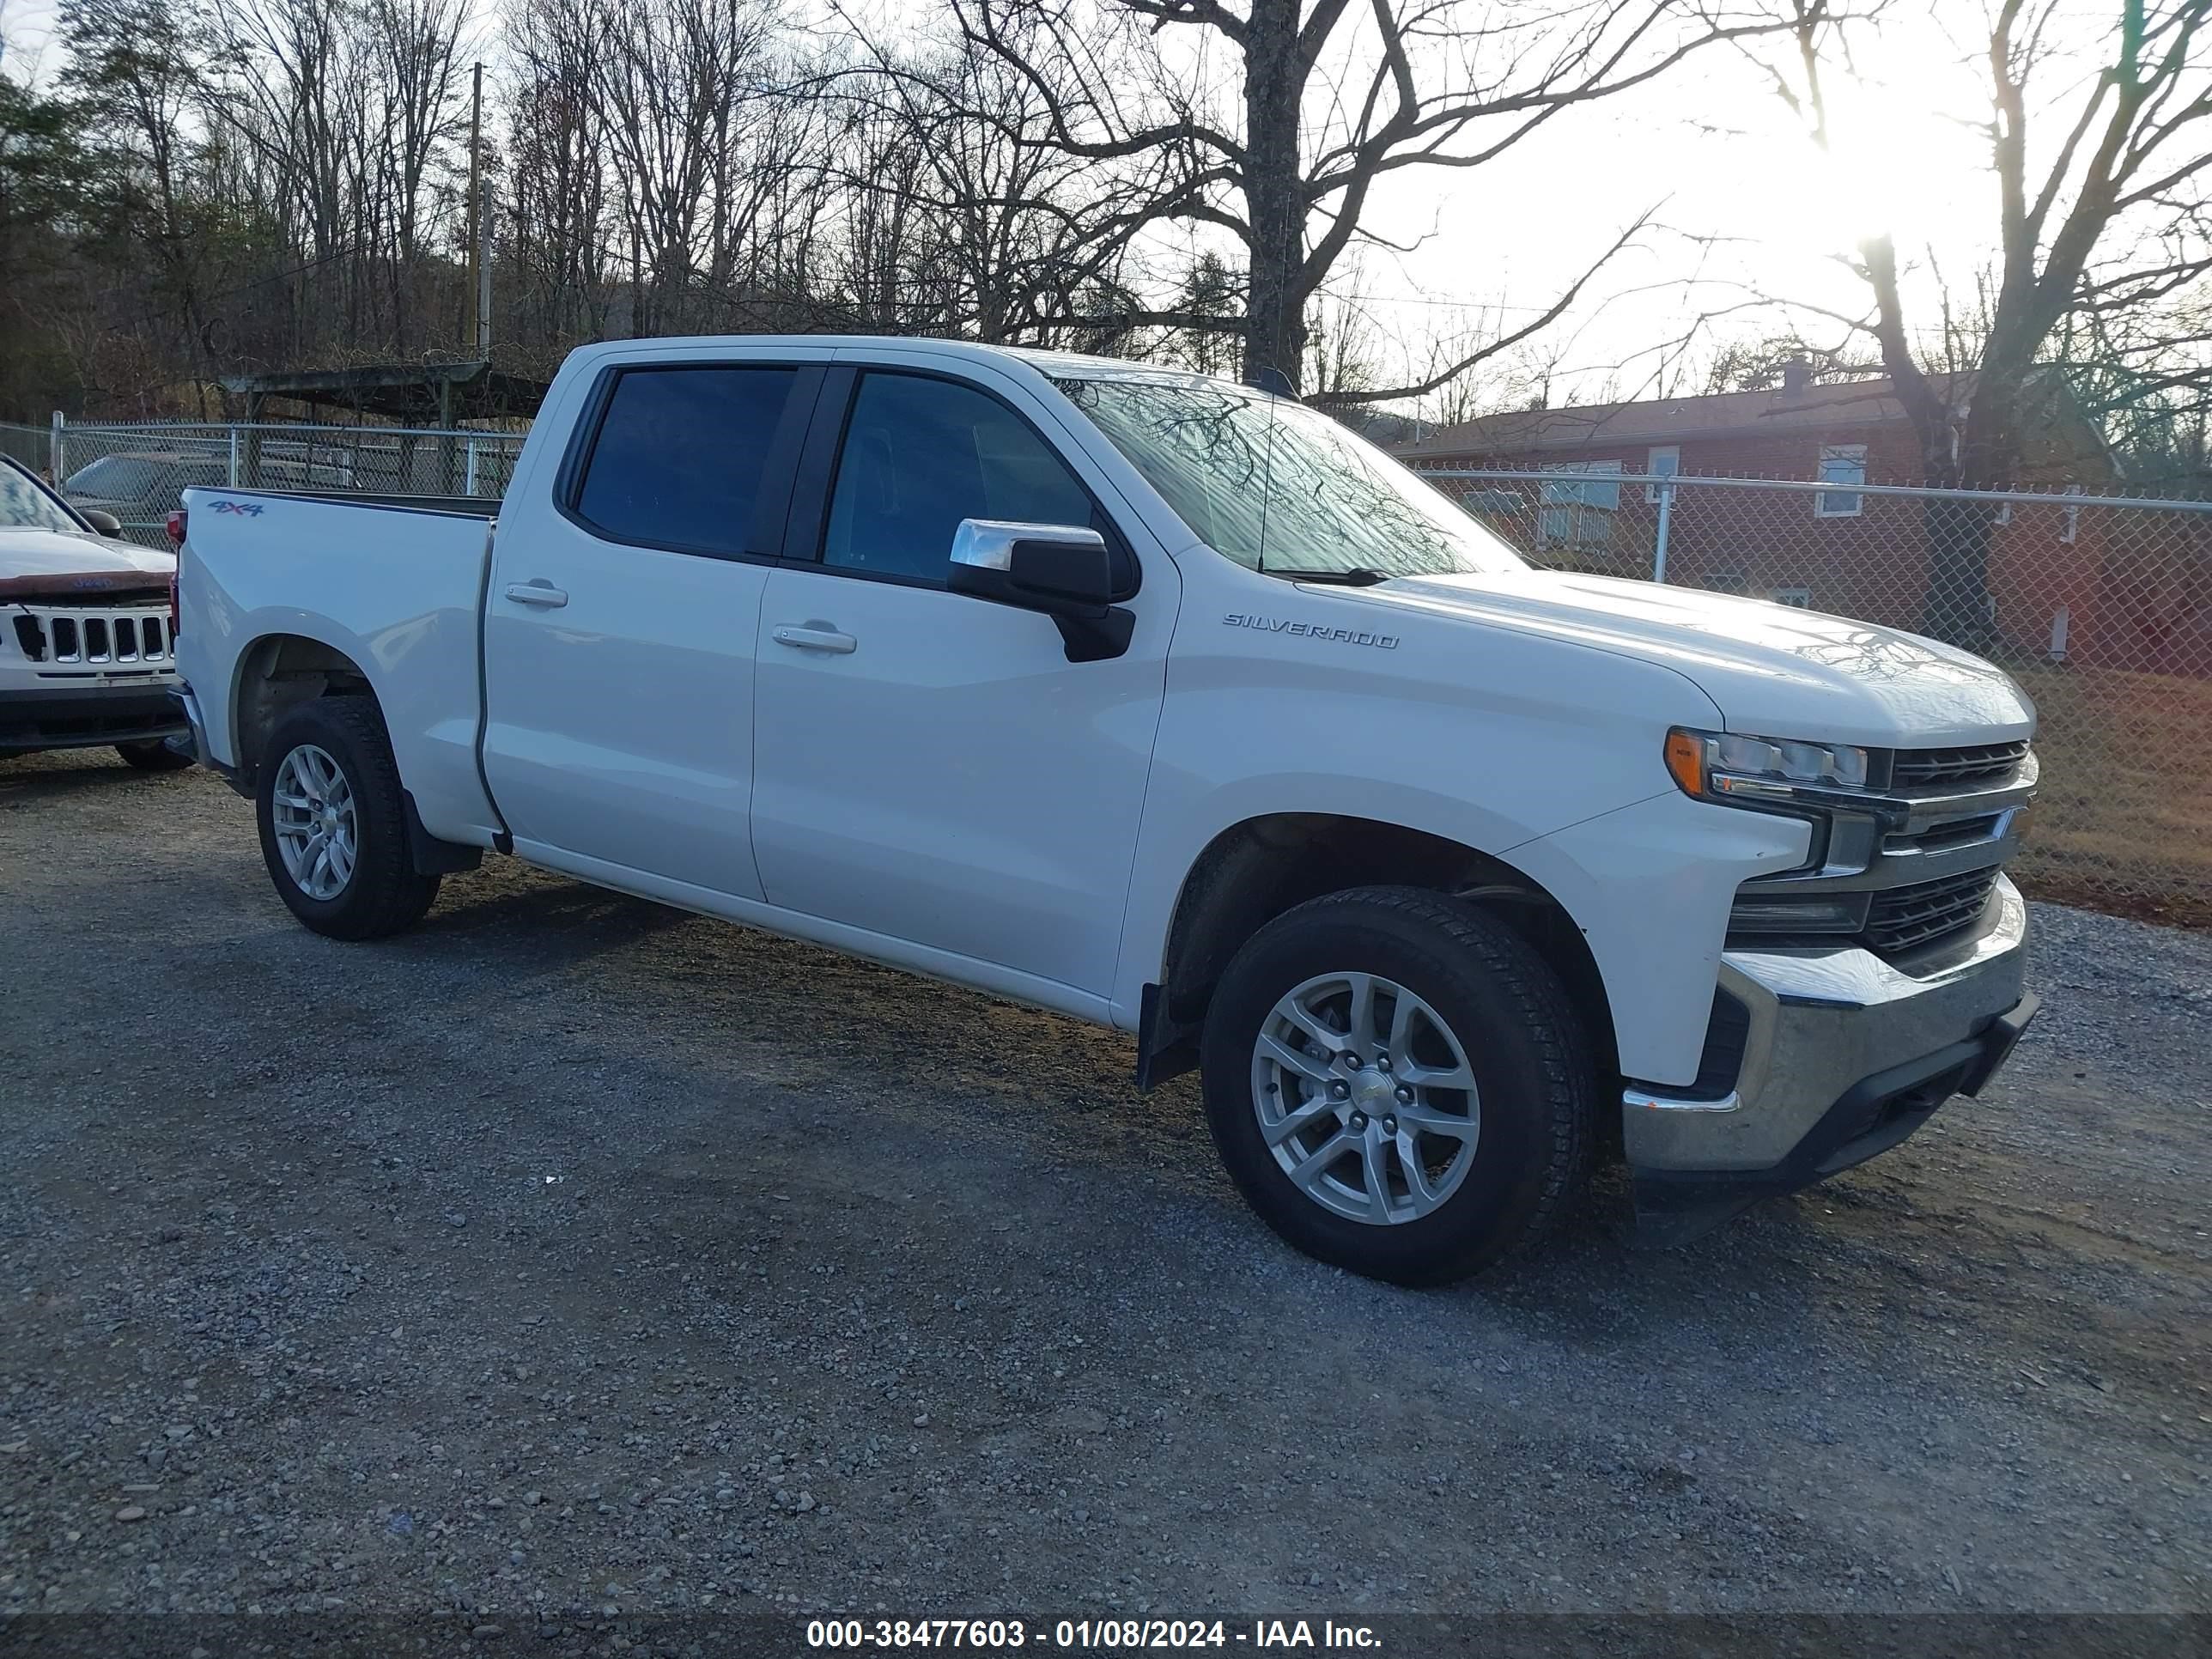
155	755
1498	1164
374	891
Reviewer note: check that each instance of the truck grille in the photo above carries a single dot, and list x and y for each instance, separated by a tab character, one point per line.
1921	768
1903	917
89	638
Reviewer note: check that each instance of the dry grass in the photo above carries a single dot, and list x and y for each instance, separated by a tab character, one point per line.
2124	823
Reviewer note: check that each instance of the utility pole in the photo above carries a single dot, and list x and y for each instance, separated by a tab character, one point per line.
476	325
484	273
636	283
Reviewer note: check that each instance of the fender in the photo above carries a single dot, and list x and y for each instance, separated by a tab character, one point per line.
1165	863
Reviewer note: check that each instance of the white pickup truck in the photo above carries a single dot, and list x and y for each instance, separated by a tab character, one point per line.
1172	706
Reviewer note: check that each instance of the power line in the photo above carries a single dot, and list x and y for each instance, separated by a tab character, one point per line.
1445	304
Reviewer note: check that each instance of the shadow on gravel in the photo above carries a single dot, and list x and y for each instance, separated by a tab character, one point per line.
550	917
27	779
1594	1280
902	1036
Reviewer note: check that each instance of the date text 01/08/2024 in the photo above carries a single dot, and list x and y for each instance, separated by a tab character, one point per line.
1085	1634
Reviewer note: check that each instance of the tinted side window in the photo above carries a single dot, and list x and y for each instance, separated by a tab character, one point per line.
920	456
679	458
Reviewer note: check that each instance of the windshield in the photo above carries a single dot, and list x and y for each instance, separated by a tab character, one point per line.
1277	486
25	505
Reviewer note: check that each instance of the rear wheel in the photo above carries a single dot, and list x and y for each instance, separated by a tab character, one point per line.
333	821
155	755
1398	1084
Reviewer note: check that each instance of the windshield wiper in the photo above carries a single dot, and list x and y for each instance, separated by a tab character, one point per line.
1357	576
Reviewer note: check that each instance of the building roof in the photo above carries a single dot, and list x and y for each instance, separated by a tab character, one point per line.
1667	420
413	393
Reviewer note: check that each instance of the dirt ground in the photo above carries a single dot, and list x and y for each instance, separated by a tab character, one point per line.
2126	793
570	1253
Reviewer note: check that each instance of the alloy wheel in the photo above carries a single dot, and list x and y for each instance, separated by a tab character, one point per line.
1366	1098
317	830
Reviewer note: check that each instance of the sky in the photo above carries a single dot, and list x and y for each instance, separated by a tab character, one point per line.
1742	203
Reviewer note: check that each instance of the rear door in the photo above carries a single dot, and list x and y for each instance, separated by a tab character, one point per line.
621	618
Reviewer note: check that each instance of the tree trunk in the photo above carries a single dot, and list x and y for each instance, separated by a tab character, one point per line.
1274	193
1982	451
1956	608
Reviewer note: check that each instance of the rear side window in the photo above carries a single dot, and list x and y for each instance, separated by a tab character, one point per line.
920	456
679	454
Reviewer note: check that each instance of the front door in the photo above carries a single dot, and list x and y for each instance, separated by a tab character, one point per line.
930	767
620	624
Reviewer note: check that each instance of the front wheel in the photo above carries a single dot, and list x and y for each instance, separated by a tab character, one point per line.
333	821
1398	1084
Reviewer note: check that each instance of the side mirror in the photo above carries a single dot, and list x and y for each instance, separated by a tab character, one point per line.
1038	566
1065	571
105	522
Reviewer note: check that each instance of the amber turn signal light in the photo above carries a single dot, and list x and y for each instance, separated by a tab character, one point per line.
1686	759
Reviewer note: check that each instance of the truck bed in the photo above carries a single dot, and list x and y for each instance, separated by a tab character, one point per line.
397	590
466	507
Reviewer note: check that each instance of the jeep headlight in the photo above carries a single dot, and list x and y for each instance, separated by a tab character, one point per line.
1733	768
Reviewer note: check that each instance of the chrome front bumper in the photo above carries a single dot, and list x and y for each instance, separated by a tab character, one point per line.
1842	1056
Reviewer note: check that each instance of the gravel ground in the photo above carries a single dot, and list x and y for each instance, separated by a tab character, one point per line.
572	1253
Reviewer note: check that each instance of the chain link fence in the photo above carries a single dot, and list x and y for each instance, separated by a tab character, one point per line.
139	472
2099	606
31	445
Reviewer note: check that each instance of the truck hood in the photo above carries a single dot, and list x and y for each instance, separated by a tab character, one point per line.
56	566
1771	669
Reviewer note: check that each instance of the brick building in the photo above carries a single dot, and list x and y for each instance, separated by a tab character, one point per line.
2070	583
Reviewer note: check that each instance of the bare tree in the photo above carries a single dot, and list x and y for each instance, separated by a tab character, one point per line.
1343	349
137	74
1211	294
412	47
2145	377
2109	215
670	79
558	185
288	81
1275	122
1184	176
1014	239
885	241
1758	365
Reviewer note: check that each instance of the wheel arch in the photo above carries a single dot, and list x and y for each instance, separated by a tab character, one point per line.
1256	869
383	887
279	671
276	671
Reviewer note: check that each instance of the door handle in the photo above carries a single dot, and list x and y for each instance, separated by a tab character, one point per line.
814	637
537	592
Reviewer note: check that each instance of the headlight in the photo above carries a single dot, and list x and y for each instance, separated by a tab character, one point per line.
1732	769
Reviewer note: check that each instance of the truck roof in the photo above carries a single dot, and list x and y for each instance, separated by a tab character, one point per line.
1053	364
